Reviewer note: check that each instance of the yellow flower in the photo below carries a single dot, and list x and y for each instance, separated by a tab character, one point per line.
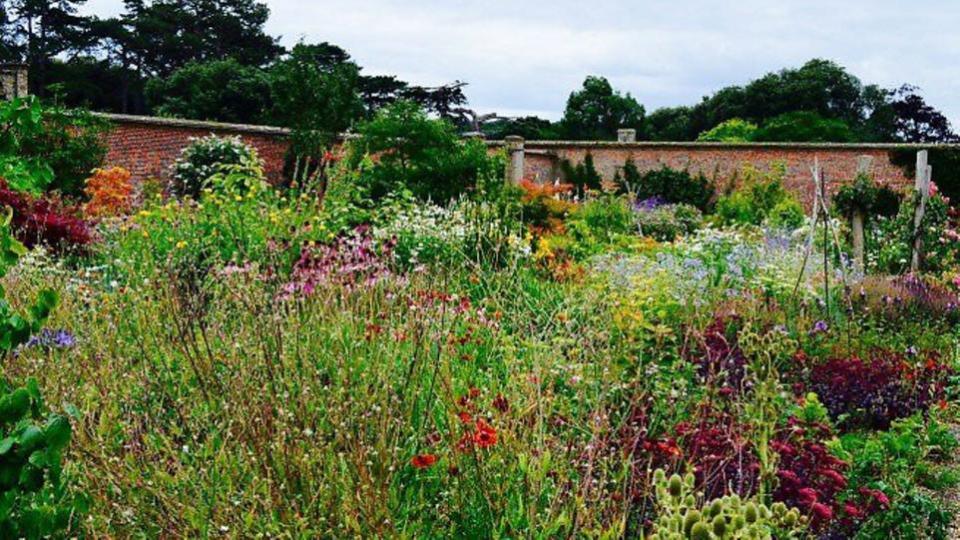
181	244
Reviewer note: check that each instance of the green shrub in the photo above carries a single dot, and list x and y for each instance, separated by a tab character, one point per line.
760	199
733	130
206	157
673	186
866	196
916	515
34	502
786	214
582	176
412	152
892	239
34	499
667	222
48	147
897	462
803	126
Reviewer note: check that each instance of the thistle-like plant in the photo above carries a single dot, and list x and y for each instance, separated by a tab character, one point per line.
683	514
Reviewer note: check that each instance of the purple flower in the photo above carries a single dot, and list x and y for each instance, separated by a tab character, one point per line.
650	204
819	327
52	339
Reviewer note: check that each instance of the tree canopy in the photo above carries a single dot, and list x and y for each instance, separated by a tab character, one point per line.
213	59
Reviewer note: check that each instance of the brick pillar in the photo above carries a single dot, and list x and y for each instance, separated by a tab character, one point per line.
13	81
515	157
626	135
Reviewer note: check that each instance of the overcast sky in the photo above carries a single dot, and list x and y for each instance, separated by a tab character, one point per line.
525	56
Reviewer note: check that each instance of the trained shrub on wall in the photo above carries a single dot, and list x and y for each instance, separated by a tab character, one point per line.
668	185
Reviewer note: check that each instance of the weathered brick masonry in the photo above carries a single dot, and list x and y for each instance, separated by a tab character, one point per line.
720	162
147	146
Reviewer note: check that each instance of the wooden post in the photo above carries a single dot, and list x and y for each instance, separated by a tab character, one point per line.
856	229
515	163
922	184
857	221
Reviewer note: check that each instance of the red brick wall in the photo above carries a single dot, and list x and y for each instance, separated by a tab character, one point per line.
720	163
148	149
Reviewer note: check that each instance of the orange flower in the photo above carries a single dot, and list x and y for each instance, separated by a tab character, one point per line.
109	191
423	461
485	436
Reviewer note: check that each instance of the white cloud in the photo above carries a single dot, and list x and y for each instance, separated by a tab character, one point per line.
528	55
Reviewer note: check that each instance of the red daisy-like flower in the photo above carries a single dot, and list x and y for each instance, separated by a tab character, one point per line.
423	461
485	436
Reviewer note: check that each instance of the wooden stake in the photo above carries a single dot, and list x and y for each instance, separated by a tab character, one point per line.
922	185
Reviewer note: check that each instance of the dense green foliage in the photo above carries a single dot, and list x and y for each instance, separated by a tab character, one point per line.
803	126
47	148
34	501
223	90
674	186
733	130
761	199
596	111
414	153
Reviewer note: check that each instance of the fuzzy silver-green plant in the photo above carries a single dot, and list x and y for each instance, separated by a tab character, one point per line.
726	518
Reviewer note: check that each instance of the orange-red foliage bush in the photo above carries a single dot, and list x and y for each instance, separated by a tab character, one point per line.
110	192
545	206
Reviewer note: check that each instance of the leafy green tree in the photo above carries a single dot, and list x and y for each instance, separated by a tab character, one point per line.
165	35
310	92
418	154
596	111
819	86
670	124
222	90
529	127
733	130
916	121
804	126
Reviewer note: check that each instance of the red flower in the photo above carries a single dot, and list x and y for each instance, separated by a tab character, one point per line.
852	510
822	511
465	417
485	436
808	495
423	461
501	404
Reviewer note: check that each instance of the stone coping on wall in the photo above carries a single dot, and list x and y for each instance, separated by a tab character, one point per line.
195	124
727	145
538	144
